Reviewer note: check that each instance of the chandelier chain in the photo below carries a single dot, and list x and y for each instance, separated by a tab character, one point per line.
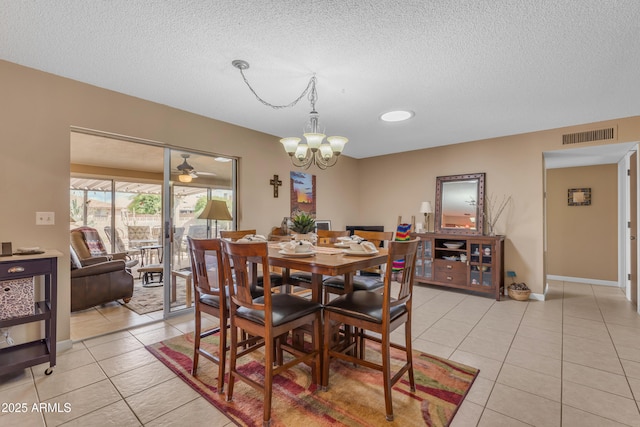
310	90
315	151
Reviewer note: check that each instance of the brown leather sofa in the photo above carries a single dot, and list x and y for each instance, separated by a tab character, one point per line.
97	280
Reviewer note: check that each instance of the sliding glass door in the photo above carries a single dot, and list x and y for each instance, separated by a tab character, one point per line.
191	181
146	199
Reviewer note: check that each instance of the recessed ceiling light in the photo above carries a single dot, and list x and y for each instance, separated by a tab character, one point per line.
222	159
396	116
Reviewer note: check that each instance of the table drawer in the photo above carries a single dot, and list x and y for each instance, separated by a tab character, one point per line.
450	271
27	268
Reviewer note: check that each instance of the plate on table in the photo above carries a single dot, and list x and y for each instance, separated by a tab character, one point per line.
453	245
297	254
359	253
342	245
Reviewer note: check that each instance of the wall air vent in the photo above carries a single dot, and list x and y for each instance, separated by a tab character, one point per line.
588	136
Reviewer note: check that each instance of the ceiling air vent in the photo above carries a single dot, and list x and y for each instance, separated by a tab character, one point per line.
590	135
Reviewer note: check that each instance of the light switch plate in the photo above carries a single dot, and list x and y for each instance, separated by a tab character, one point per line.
45	218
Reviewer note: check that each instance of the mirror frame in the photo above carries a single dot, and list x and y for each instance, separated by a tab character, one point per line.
440	180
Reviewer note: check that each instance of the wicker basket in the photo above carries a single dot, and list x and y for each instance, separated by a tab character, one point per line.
518	295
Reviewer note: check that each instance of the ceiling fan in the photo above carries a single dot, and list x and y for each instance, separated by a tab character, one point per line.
188	172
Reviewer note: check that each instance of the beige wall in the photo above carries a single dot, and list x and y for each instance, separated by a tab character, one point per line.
38	109
396	184
582	241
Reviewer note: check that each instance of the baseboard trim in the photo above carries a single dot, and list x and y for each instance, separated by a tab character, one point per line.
63	345
583	280
537	297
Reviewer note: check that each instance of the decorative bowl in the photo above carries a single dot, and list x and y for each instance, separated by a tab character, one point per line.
453	245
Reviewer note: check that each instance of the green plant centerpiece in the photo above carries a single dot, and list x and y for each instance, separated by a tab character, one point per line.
303	223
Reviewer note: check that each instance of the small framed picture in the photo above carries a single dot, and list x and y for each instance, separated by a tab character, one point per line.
323	225
579	197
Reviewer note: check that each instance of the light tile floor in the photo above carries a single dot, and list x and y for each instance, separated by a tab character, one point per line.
573	360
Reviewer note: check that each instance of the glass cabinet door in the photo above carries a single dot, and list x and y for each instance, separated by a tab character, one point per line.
480	264
423	260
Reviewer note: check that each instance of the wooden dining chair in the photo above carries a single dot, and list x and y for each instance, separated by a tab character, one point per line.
369	279
380	313
210	297
235	235
327	237
270	317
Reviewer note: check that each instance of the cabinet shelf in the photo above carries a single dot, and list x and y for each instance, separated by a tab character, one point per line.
24	355
451	250
41	312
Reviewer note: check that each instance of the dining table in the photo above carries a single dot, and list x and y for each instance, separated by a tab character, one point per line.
324	261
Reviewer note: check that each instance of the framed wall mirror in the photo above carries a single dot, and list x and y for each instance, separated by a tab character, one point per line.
460	204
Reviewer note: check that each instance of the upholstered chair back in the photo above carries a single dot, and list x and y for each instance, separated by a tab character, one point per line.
87	242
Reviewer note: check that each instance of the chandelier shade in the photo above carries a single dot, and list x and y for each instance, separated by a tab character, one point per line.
290	144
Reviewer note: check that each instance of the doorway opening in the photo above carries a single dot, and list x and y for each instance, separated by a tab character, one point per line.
589	243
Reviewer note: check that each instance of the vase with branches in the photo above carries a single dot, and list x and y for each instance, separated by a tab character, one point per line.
492	211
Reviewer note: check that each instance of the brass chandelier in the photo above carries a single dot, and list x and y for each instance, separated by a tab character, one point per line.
315	149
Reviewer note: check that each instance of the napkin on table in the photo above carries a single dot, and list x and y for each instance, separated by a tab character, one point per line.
252	238
350	239
365	246
298	246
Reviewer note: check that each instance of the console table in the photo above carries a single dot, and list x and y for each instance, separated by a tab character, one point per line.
43	350
474	263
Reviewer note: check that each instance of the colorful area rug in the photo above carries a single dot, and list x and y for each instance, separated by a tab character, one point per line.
354	398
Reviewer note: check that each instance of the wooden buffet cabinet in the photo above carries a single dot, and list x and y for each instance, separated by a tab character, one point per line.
476	265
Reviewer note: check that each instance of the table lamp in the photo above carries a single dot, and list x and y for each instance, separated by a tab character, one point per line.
426	209
216	210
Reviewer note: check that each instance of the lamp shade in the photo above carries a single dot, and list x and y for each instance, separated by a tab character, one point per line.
425	207
185	177
337	143
216	209
314	140
290	144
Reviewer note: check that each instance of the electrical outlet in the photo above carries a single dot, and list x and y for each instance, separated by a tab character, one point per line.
45	218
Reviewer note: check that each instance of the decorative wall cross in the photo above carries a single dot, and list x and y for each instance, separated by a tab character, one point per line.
276	183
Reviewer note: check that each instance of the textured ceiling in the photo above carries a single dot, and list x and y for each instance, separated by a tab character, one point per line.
469	69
